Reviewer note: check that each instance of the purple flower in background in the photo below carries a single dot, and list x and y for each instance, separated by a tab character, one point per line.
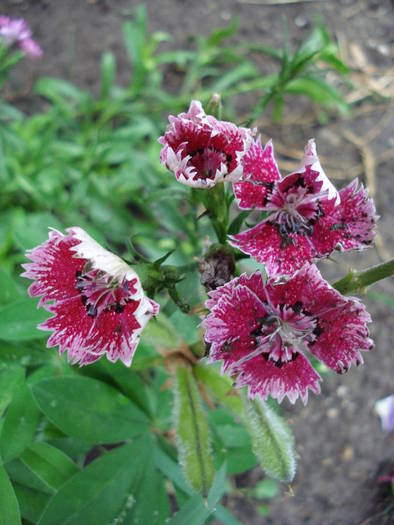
17	32
385	409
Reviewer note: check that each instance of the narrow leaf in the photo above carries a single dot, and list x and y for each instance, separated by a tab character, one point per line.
88	409
193	439
273	442
193	512
32	502
105	491
48	463
9	508
19	320
11	378
20	424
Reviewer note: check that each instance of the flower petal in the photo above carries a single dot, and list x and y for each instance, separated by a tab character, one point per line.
348	226
280	256
260	170
311	159
234	316
53	268
341	322
291	379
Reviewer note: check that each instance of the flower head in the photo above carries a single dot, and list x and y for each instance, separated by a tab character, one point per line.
261	332
306	217
201	150
17	32
97	300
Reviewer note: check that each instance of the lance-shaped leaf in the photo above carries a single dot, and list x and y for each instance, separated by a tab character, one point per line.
49	464
273	442
88	409
9	508
20	424
193	439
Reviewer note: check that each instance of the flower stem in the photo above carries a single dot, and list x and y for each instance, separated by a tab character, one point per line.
355	282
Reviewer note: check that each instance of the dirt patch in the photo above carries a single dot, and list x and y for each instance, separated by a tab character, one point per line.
341	447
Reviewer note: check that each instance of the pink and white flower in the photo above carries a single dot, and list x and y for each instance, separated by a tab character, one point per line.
262	331
201	150
17	32
307	218
97	300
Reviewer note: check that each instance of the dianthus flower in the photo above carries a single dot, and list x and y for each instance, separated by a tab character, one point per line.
17	32
201	150
97	300
306	217
261	332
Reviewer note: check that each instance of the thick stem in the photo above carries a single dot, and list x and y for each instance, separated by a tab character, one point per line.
215	201
356	282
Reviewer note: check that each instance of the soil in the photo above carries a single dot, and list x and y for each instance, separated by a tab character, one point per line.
341	447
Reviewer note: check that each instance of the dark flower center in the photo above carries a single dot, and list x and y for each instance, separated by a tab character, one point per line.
101	292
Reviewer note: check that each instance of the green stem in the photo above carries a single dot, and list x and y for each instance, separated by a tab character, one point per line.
356	282
216	203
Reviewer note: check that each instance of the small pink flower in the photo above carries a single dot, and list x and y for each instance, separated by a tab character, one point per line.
97	300
261	332
17	32
306	217
201	150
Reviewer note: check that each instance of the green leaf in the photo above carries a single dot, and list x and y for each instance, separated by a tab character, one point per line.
219	487
192	432
224	516
105	491
236	224
9	508
32	229
11	378
240	460
318	90
193	512
19	320
108	70
88	409
32	502
8	290
60	92
161	332
49	464
19	426
171	470
273	442
266	489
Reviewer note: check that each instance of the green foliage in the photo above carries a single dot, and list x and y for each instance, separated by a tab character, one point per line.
8	503
88	409
273	442
192	432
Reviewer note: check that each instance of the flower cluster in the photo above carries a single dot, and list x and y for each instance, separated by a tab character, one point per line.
261	331
97	300
17	32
